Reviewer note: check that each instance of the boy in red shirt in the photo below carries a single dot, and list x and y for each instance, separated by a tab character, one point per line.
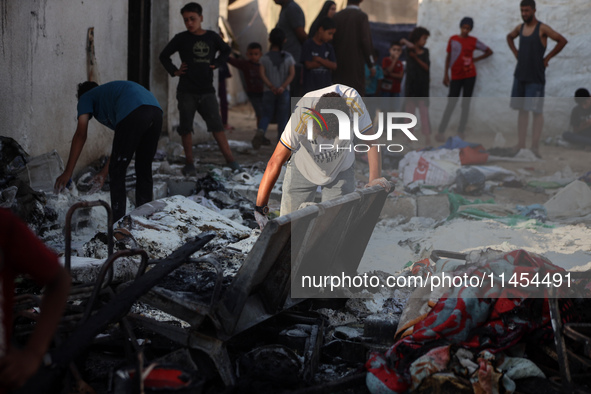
393	71
252	78
460	49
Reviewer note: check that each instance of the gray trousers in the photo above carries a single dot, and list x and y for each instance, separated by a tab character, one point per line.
297	189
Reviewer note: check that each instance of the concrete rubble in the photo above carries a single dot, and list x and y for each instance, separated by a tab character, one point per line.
414	222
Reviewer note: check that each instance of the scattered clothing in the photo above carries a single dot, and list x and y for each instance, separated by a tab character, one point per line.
488	319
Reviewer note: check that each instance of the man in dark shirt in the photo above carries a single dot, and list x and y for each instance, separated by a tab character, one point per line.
528	85
197	49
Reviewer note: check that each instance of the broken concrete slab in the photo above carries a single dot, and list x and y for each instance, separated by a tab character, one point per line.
405	206
180	186
572	201
86	269
434	207
164	225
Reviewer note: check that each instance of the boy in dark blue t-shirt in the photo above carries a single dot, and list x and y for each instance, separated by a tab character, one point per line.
319	58
197	49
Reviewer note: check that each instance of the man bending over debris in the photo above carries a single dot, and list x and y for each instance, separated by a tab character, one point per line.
319	159
136	117
22	253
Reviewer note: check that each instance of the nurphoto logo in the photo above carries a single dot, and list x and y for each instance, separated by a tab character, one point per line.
394	121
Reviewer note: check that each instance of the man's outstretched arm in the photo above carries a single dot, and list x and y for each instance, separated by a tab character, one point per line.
78	142
375	169
279	157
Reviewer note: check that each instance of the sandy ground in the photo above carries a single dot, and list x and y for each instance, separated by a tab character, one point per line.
393	245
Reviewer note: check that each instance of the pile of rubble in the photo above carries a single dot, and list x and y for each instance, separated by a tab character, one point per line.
213	312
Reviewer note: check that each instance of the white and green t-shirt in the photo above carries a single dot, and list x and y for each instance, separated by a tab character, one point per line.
322	165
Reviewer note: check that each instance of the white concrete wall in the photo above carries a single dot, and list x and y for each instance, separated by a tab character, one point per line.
43	58
493	20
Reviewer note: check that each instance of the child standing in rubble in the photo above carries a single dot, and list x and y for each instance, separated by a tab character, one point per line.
460	61
417	79
197	49
277	71
251	68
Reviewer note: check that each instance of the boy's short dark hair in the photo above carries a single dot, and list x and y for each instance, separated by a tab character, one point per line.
396	44
192	7
417	33
85	87
277	37
528	3
581	96
254	45
327	24
331	100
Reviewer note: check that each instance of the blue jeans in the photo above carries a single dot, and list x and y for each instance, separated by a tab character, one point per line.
277	105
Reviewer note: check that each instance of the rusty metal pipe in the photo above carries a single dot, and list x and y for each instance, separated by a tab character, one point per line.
107	269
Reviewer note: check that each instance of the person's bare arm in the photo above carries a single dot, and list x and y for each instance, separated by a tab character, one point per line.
18	365
446	70
301	34
560	42
311	64
407	43
388	70
279	157
486	54
375	169
78	142
398	75
511	40
266	80
374	161
325	62
288	80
